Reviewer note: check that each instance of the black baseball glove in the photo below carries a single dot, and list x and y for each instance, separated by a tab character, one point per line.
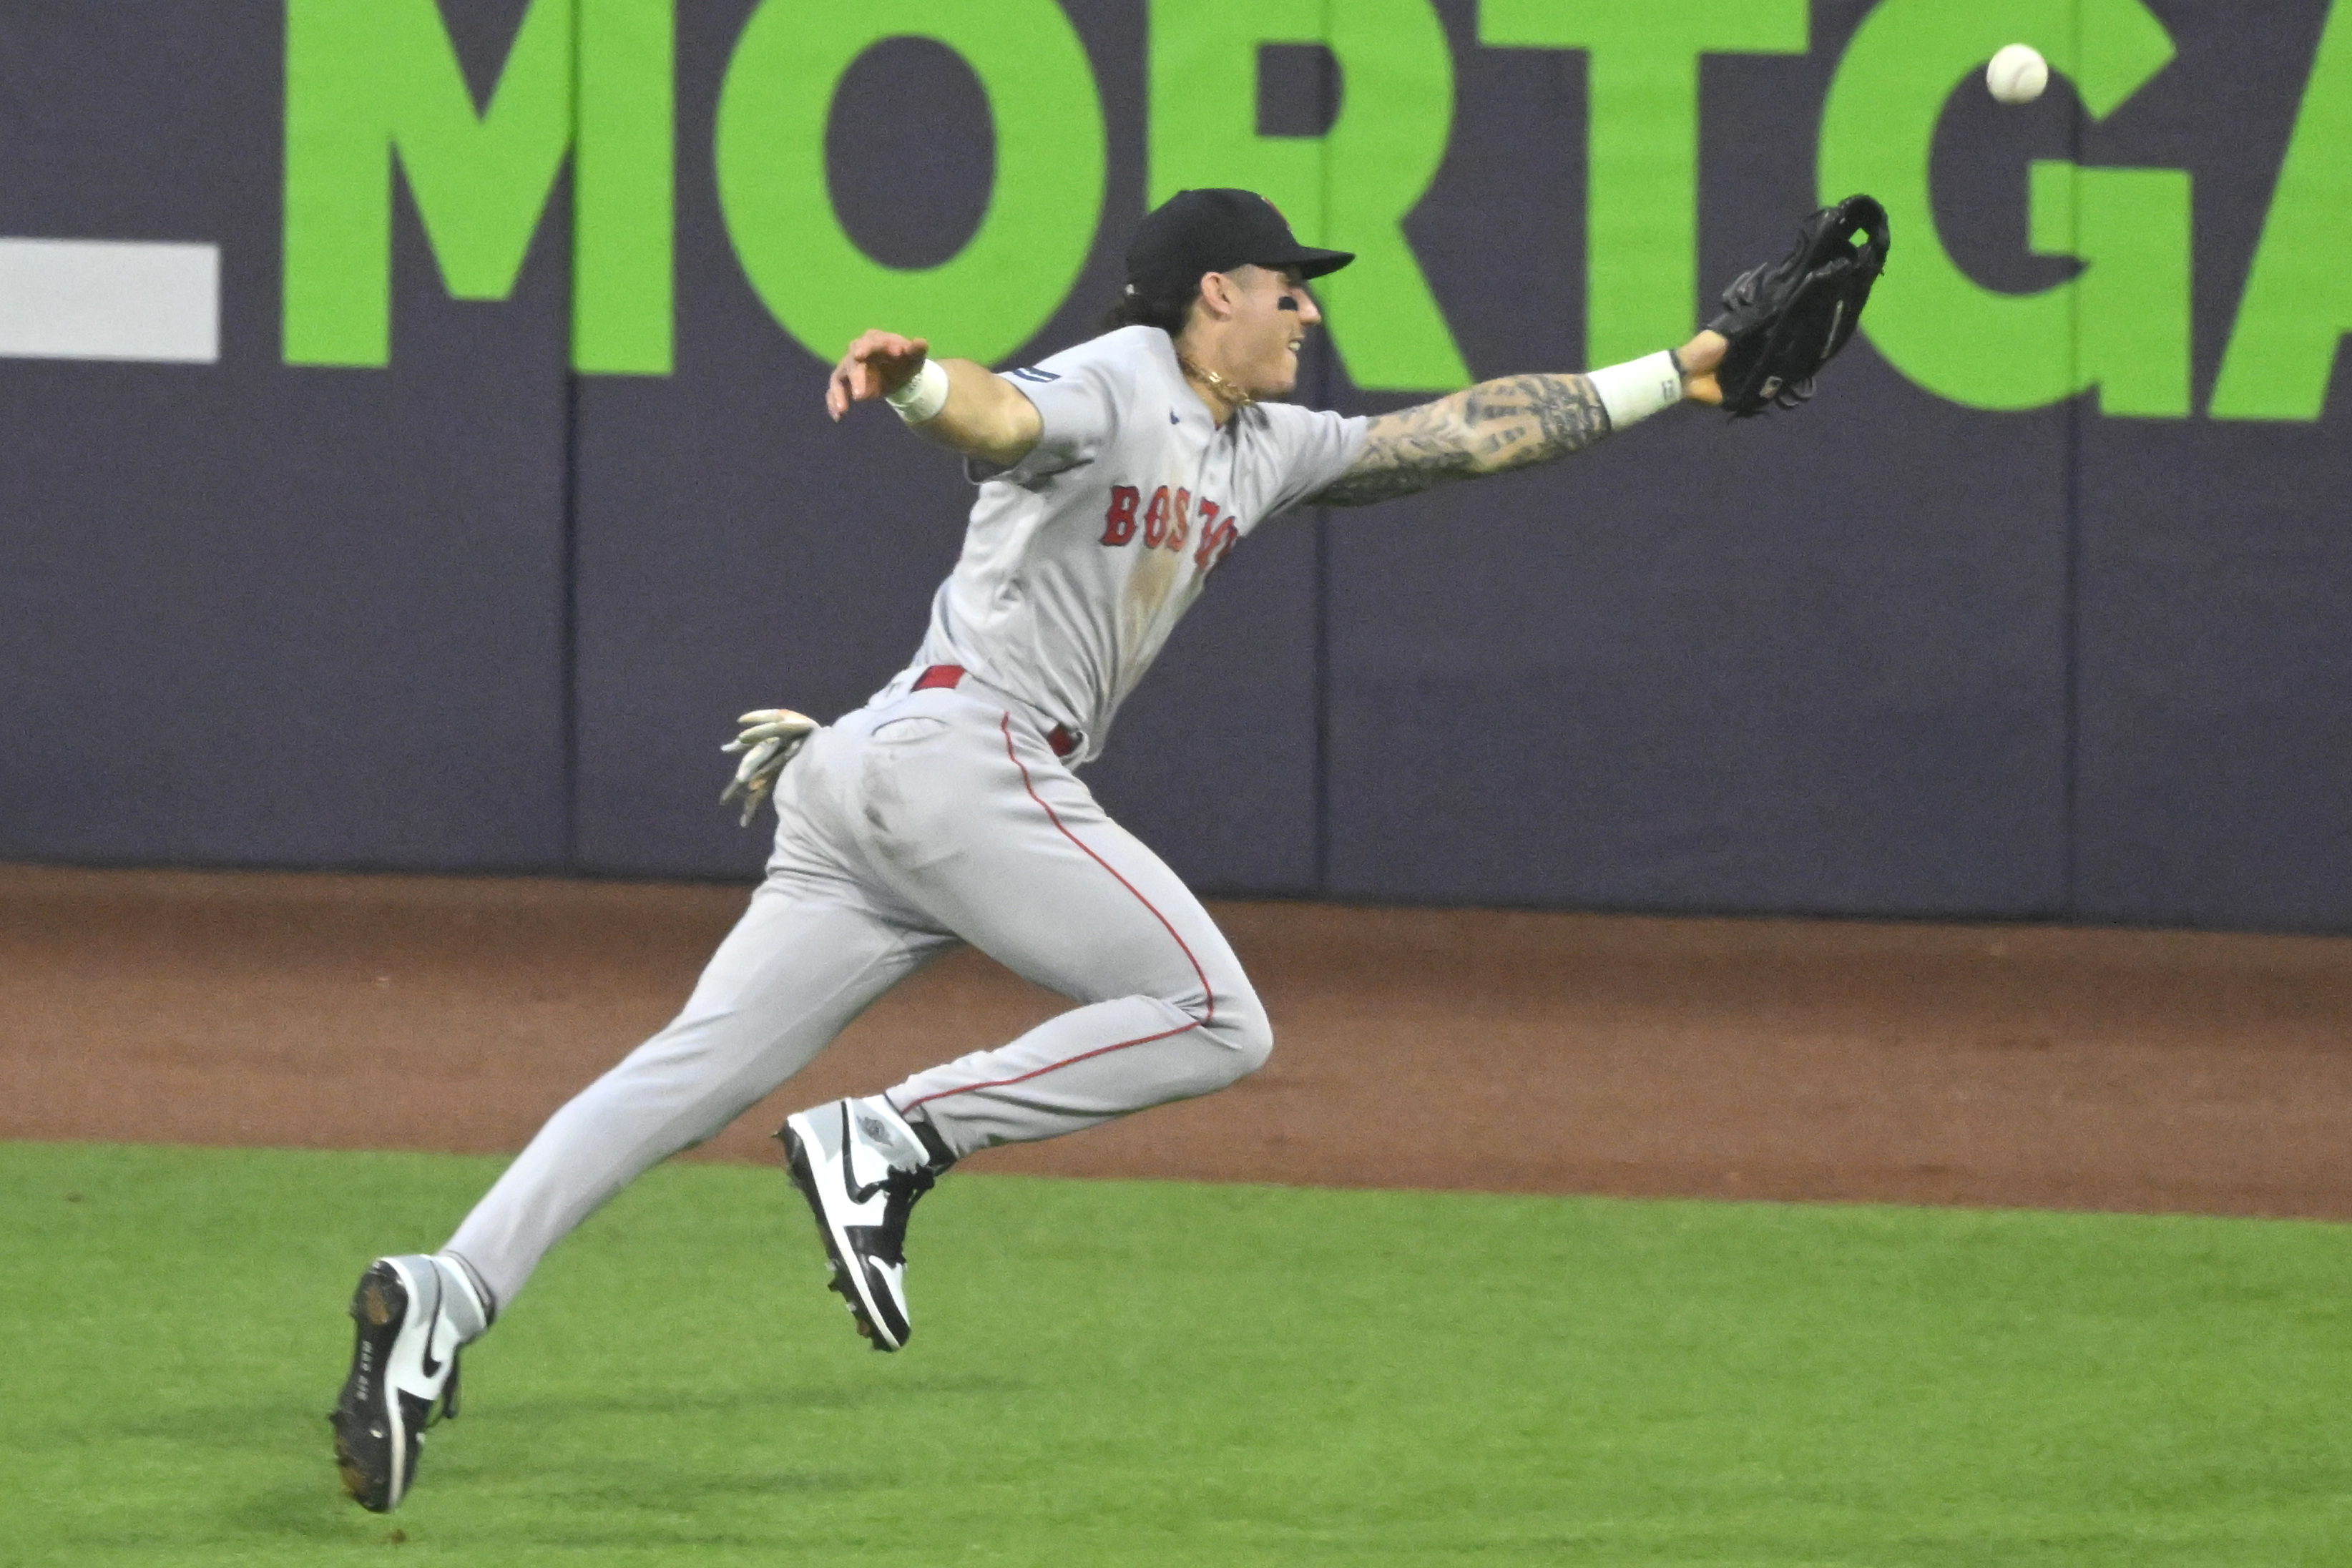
1787	318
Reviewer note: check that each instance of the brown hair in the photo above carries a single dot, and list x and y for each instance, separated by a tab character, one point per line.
1135	307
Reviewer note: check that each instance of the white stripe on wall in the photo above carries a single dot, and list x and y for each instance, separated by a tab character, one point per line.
95	298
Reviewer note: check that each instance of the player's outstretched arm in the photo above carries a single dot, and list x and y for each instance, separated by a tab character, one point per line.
959	405
1496	427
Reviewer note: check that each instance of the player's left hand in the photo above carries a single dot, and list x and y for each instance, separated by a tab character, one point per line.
1699	357
878	365
1786	320
771	738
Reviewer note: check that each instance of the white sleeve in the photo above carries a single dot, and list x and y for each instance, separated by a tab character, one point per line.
1075	398
1314	447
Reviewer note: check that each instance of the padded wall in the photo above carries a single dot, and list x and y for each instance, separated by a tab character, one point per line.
1908	651
1810	661
253	614
2215	586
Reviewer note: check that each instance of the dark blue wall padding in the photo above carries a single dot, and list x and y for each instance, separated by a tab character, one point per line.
2216	736
1806	662
2215	621
1886	655
1640	690
251	614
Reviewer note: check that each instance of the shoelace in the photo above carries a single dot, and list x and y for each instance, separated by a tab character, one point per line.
910	1185
901	1188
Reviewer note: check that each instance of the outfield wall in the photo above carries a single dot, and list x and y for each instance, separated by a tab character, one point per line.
496	482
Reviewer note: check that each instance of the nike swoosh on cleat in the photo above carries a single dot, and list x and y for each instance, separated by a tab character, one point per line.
425	1363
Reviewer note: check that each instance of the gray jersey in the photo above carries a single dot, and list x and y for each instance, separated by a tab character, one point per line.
1080	559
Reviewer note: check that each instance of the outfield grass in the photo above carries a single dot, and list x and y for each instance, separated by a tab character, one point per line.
1156	1373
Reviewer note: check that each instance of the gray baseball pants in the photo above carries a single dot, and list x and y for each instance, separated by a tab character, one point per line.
937	817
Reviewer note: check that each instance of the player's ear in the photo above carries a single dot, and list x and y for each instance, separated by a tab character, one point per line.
1217	293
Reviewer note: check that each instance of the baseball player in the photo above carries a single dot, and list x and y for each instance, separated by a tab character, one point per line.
1113	481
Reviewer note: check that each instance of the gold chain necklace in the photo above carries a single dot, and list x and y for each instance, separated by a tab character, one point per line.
1218	384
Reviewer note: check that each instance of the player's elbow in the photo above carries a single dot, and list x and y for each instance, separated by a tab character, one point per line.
1012	431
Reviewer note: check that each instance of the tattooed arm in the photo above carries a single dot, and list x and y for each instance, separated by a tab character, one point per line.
1494	427
1490	428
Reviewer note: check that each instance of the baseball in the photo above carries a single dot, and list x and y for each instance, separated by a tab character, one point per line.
2017	74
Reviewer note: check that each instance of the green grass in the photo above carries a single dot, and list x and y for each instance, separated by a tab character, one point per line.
1149	1373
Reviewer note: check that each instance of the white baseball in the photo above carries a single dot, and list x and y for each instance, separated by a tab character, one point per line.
2017	74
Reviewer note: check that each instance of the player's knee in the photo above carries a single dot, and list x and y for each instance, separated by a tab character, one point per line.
1241	1028
1224	1007
1254	1047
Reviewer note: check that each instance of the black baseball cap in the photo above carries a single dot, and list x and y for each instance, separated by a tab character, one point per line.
1193	232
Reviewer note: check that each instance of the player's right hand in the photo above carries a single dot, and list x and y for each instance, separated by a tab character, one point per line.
771	738
876	364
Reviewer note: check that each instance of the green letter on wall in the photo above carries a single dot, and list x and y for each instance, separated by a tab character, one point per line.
1640	240
992	296
368	82
2298	301
1352	189
2123	325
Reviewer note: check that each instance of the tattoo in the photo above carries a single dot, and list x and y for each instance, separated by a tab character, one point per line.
1489	429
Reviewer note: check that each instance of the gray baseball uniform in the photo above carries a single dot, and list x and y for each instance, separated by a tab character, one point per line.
945	810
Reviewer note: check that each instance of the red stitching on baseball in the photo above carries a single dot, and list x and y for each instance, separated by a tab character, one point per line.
1050	1067
1206	989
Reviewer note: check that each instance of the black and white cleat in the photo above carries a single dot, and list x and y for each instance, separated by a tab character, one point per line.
404	1366
862	1167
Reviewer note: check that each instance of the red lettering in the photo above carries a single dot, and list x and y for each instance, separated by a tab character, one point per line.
1155	519
1183	528
1118	522
1217	539
1208	533
1227	537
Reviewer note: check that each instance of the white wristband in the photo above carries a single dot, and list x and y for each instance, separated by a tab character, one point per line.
1638	388
920	400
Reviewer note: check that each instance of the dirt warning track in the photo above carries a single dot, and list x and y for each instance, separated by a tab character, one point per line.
1523	1052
